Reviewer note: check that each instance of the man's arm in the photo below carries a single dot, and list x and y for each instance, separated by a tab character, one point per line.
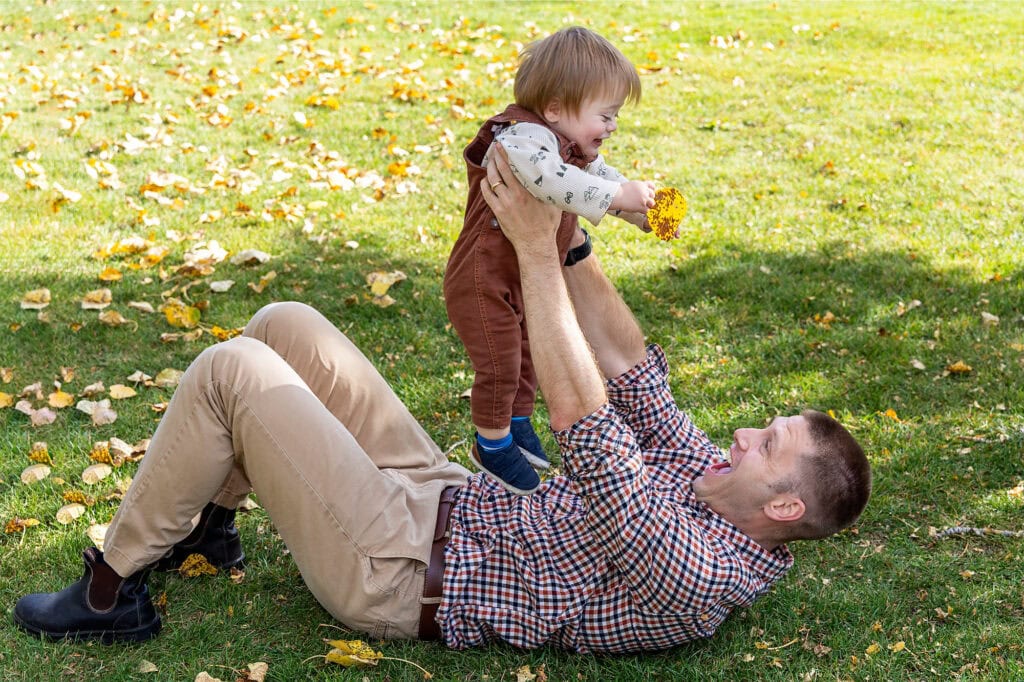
607	322
566	370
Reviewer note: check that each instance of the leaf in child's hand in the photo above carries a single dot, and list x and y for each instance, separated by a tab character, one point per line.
668	211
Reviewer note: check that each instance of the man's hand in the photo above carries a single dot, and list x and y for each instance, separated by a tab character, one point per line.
528	223
635	196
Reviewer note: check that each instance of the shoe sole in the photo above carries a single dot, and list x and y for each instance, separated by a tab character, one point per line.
504	484
139	634
535	461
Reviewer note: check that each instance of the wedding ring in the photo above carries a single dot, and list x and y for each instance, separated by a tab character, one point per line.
495	184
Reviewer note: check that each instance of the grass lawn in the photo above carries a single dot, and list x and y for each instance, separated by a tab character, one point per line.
856	181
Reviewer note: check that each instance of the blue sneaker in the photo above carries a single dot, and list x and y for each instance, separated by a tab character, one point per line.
526	438
508	466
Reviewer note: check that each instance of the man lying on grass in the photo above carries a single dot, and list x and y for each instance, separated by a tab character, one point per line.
650	538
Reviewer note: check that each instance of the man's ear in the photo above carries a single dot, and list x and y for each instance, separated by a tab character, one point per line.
553	111
785	508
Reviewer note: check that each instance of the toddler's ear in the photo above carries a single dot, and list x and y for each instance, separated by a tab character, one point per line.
552	111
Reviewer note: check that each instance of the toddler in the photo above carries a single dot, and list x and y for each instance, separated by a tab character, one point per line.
568	90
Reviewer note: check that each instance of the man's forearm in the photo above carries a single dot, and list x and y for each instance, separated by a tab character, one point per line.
606	320
568	375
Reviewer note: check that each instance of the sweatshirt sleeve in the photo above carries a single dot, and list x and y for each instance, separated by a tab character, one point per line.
533	154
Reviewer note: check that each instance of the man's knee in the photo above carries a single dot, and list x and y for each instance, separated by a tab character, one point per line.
287	313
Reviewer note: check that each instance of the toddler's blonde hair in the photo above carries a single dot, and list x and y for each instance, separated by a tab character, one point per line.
571	66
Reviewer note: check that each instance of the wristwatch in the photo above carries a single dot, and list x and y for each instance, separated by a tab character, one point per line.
580	252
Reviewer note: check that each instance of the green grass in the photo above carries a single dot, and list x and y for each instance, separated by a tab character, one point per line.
854	167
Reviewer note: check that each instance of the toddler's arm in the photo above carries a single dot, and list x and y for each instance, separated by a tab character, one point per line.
598	167
533	155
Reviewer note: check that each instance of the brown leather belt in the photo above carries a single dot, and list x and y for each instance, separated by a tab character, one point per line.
434	577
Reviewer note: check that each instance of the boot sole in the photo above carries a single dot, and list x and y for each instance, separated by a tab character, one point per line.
139	634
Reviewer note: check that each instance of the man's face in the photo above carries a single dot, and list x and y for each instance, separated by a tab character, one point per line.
759	459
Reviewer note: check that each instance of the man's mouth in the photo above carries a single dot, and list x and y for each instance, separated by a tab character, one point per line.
719	469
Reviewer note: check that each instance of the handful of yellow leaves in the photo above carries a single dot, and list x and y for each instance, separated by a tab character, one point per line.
667	213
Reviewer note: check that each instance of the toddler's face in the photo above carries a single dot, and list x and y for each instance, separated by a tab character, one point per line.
592	124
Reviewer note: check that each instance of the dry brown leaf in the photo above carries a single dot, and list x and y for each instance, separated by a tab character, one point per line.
94	473
142	306
168	377
147	667
250	257
266	279
37	299
97	299
18	525
97	532
70	512
257	672
34	473
112	318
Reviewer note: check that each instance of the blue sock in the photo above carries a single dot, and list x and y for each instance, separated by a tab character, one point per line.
494	445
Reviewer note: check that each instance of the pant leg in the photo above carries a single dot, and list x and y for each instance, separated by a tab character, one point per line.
359	535
347	384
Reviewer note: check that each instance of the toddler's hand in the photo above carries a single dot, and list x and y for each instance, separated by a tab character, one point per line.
635	196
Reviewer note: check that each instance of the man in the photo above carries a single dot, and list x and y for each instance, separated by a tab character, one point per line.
650	539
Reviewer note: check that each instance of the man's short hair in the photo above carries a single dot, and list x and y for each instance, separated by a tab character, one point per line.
572	65
835	479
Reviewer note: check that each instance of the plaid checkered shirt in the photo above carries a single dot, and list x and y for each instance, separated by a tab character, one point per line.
615	556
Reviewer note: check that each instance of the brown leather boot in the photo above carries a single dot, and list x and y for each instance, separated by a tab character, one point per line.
101	605
215	537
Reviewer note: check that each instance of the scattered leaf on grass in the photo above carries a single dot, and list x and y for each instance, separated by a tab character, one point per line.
120	392
147	667
97	299
168	377
221	286
180	315
958	367
142	306
352	652
18	525
110	274
257	672
70	512
266	279
97	532
100	411
37	299
39	453
196	565
250	257
94	473
60	399
6	399
34	473
112	318
206	677
380	282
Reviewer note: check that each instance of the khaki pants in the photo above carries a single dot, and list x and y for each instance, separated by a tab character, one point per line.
293	411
